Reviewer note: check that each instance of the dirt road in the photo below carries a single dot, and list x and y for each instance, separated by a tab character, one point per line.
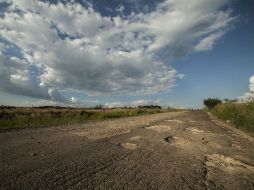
182	150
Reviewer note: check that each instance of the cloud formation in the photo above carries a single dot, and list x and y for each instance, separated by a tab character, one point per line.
51	47
251	85
133	103
249	96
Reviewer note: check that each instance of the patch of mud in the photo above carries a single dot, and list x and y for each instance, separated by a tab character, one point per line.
159	128
129	146
194	130
135	138
228	173
175	120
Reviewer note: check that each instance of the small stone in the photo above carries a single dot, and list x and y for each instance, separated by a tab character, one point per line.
34	154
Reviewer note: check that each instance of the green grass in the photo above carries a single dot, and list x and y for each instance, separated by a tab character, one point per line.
33	118
239	114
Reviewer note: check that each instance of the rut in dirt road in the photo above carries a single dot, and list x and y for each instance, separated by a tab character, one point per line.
180	150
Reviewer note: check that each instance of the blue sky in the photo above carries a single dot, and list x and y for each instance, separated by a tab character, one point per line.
125	52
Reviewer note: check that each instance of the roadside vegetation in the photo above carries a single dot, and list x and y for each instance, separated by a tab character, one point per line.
27	117
240	115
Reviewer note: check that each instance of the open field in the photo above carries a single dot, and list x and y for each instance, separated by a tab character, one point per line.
172	150
240	115
14	117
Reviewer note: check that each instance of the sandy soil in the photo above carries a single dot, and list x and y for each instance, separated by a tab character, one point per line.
181	150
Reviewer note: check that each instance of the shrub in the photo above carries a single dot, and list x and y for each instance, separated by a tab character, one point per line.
150	107
210	103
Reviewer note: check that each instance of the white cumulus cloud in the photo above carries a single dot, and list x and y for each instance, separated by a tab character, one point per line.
248	96
251	84
68	46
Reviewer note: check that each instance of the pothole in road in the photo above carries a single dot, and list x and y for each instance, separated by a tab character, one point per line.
228	172
191	121
194	130
159	128
169	139
174	120
176	140
227	164
129	146
135	138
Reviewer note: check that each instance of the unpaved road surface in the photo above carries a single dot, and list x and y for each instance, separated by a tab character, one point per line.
182	150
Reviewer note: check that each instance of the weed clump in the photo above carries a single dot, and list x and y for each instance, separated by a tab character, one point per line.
239	114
